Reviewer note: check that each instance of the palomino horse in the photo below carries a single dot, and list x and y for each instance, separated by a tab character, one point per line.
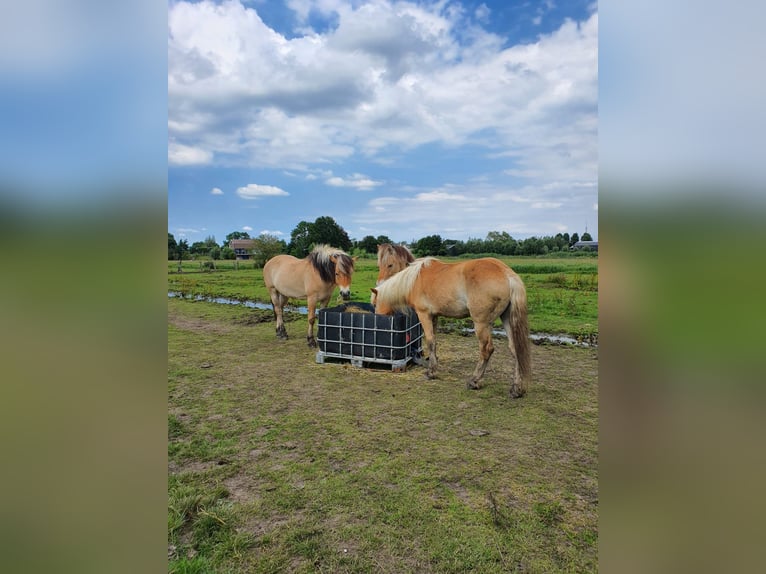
312	278
391	260
483	289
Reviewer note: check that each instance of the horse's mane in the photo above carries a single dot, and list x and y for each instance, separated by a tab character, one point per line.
320	258
395	289
399	251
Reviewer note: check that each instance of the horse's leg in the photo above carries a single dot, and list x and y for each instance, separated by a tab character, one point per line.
429	329
312	304
517	387
278	302
486	348
324	302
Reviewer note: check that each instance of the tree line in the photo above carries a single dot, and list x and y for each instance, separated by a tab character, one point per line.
326	230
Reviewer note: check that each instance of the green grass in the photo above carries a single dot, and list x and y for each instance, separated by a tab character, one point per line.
279	464
562	292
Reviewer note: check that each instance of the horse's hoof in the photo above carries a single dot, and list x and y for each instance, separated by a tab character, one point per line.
516	392
312	343
473	385
430	376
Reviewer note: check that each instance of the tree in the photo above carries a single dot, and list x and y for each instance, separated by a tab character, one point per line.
530	246
228	253
326	230
198	248
586	237
265	247
323	230
381	239
205	248
235	235
500	242
453	247
368	244
429	245
474	245
300	240
574	239
172	246
181	249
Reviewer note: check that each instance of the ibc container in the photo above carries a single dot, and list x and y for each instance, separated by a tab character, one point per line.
366	337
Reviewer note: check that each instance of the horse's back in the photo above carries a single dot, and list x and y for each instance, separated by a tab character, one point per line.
471	271
464	281
278	268
284	274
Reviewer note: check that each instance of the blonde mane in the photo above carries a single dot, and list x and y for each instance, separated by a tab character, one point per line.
394	290
388	250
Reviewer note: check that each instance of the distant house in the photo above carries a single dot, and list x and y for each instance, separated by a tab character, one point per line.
585	246
242	247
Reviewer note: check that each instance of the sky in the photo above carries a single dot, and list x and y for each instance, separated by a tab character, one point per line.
403	119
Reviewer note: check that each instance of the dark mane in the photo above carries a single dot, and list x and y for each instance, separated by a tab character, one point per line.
325	266
345	262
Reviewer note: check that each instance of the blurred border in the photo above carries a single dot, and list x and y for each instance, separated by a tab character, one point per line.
83	216
681	299
82	222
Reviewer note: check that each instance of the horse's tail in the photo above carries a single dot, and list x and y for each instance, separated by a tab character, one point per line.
520	331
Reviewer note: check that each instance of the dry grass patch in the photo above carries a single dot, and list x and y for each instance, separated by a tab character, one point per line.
339	469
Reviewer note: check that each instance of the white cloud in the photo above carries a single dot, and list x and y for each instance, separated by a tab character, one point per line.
268	232
471	210
439	196
371	87
254	191
216	191
247	228
186	231
482	13
376	82
179	154
357	181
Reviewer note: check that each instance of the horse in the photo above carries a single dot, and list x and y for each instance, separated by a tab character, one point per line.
312	278
391	260
483	289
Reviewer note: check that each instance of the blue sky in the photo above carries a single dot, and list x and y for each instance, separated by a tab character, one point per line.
402	119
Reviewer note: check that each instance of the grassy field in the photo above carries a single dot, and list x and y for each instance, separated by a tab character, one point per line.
279	464
562	292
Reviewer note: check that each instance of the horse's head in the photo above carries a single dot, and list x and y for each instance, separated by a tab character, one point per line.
381	307
344	269
391	260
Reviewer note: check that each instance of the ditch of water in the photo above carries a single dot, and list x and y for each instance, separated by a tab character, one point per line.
539	337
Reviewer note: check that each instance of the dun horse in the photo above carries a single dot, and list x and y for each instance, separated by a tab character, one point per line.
313	278
483	289
391	260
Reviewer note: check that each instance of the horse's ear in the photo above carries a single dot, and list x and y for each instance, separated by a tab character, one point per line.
374	290
333	258
354	258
